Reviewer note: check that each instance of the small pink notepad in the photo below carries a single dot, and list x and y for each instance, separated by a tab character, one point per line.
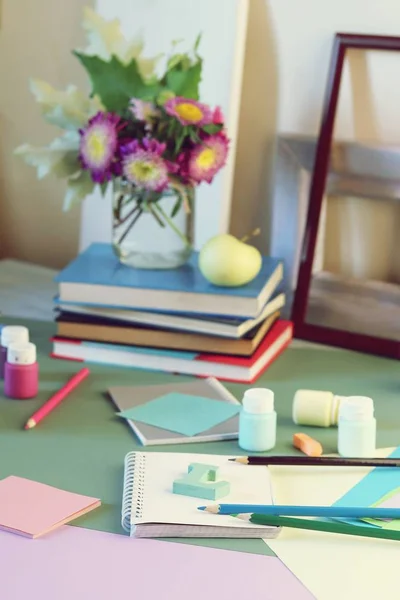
32	509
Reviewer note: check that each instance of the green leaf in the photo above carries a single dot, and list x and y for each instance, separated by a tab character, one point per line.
194	136
185	82
197	43
116	83
171	126
104	187
212	128
180	138
176	59
164	96
177	206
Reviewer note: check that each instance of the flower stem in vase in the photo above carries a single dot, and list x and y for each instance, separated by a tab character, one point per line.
118	207
172	225
132	223
155	215
128	216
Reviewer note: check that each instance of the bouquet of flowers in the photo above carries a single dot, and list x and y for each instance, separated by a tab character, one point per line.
142	128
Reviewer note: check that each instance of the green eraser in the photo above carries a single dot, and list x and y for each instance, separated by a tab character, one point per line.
201	482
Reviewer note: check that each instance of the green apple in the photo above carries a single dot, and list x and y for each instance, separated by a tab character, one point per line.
226	261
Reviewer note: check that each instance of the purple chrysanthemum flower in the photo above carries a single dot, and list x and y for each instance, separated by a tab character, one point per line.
99	144
144	166
189	112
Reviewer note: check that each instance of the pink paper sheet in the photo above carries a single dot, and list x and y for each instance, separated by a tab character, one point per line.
32	508
80	564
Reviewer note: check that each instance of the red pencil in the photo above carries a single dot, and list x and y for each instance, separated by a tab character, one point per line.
57	398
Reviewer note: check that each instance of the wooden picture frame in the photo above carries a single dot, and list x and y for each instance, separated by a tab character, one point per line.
304	330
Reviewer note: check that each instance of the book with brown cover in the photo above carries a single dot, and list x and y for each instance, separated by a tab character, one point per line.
101	330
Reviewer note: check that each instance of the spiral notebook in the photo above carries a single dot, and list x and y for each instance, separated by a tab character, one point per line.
151	509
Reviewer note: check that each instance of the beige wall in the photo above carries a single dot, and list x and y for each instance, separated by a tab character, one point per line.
36	37
361	234
38	43
361	238
251	202
370	99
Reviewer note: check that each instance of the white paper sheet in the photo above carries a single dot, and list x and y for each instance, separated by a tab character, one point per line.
333	566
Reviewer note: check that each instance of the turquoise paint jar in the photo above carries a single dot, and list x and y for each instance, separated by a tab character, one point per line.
257	421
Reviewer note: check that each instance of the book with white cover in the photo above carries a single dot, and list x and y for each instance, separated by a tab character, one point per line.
223	326
223	366
151	509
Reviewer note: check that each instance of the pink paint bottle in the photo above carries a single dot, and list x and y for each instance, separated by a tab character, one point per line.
11	334
21	372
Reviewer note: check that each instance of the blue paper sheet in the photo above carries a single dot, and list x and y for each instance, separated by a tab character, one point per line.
182	413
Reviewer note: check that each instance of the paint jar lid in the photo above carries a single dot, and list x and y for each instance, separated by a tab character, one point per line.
21	354
357	408
258	401
14	334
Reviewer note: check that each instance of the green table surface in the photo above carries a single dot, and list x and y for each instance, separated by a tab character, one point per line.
81	445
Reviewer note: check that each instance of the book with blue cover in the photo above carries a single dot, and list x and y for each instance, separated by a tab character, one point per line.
97	275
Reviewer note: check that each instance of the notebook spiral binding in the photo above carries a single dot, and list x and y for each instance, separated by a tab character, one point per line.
133	494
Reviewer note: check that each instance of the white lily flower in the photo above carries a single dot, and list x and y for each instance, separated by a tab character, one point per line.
60	158
105	39
77	189
69	109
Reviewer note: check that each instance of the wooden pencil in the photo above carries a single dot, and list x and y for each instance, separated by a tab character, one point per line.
326	526
348	512
57	398
322	461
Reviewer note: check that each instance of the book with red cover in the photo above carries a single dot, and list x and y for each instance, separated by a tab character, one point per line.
225	367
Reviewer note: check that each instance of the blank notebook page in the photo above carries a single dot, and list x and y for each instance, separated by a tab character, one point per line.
248	484
30	508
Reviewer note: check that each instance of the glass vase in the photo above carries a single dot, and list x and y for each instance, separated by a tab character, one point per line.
152	230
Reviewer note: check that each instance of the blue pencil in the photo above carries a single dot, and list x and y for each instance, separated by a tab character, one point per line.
350	512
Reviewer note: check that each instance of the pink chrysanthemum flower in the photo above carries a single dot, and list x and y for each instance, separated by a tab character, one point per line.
208	157
98	146
143	165
182	162
189	112
142	110
218	116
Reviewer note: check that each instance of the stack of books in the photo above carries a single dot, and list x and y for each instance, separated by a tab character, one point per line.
172	320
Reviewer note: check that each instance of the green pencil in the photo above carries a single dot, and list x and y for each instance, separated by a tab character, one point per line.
327	526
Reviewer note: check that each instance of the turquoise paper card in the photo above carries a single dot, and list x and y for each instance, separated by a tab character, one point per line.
371	489
182	413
